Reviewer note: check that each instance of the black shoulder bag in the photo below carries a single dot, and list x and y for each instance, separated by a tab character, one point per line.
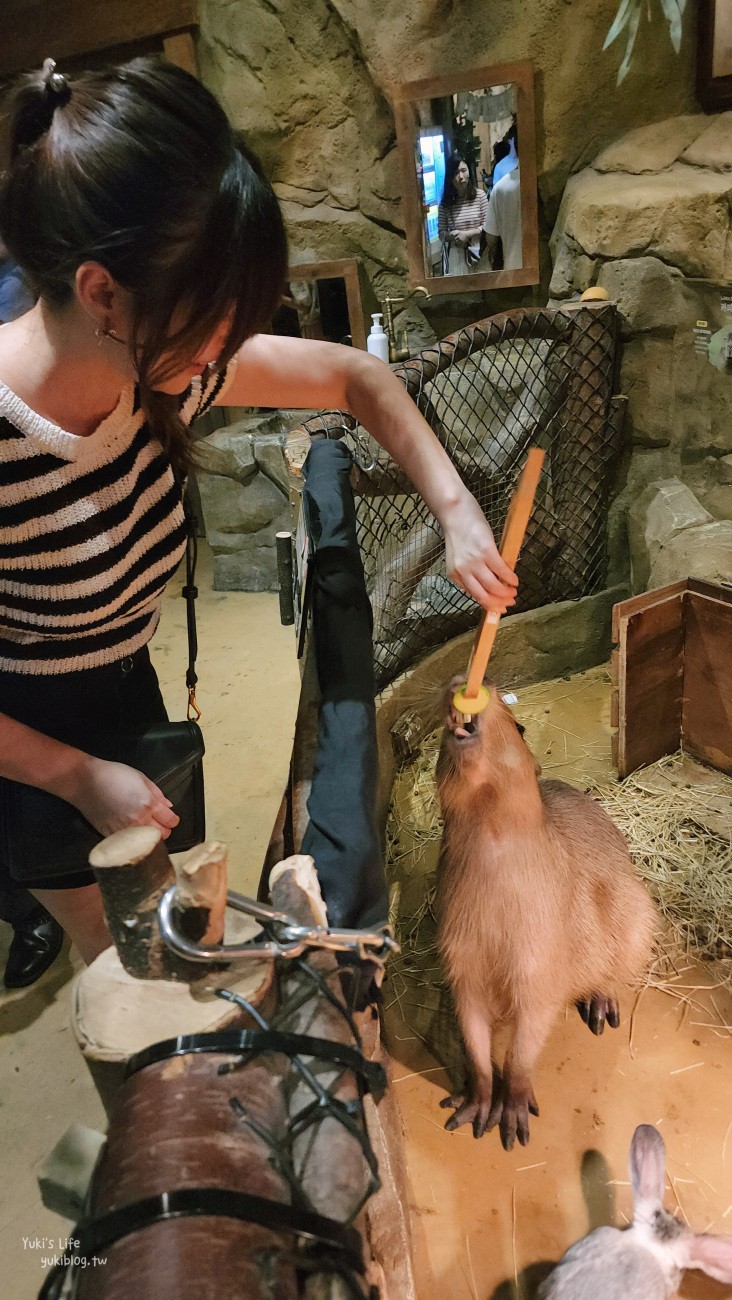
43	835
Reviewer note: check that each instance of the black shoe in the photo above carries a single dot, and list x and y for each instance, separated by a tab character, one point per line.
36	944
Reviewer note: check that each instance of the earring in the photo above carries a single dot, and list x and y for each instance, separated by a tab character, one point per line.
101	334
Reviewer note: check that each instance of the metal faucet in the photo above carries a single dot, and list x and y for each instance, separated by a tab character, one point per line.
399	343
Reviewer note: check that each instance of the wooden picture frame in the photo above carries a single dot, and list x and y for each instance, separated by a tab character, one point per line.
404	98
714	55
69	30
360	297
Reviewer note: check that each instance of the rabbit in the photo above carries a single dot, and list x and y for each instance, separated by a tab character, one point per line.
646	1260
539	907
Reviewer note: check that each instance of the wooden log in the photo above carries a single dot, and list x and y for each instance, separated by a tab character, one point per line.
201	876
182	1123
133	871
114	1015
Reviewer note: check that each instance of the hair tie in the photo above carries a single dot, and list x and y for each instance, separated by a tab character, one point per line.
55	82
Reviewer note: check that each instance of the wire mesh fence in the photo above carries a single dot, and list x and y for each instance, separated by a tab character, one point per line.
538	376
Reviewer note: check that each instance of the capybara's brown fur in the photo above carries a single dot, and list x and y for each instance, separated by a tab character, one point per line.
539	907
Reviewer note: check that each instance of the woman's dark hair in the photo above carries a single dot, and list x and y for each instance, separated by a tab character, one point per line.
138	168
500	150
449	195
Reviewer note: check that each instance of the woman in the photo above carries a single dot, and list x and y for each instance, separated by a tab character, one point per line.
158	254
460	216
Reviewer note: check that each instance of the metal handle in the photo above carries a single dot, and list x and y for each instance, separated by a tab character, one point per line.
287	938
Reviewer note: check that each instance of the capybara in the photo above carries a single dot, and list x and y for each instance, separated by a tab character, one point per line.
538	907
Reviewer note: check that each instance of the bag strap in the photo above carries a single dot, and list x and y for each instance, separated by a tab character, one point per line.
189	593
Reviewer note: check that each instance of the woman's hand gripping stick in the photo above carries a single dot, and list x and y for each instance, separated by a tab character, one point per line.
473	697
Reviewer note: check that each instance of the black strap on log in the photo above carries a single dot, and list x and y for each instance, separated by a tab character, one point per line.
190	593
235	1041
93	1236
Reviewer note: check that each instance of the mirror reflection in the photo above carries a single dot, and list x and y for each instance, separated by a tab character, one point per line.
315	309
468	172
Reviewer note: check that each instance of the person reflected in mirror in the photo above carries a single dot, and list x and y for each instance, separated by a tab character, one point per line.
505	155
462	213
15	297
503	222
489	178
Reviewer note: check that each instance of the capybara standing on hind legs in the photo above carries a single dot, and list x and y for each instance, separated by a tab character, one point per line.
538	907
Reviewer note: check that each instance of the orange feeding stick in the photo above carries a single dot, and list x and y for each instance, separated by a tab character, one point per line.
473	697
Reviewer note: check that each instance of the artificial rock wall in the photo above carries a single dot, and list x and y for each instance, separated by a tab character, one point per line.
649	221
647	217
308	82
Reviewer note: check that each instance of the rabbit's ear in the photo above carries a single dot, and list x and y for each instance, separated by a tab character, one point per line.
711	1254
647	1164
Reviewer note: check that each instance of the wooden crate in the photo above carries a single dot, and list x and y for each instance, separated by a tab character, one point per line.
672	675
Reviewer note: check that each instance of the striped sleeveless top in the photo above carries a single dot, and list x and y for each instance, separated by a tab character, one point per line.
91	529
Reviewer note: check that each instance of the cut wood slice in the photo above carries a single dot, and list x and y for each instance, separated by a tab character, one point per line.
294	882
115	1015
201	876
133	871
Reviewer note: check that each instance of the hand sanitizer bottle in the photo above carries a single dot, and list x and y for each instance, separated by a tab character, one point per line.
377	343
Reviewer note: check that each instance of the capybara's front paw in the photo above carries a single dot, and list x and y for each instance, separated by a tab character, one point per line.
478	1109
518	1103
597	1010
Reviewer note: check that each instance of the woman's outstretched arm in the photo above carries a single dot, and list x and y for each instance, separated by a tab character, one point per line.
287	372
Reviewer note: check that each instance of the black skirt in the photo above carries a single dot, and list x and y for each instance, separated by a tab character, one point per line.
79	708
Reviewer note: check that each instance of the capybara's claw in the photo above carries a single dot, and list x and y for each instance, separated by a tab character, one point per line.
597	1010
518	1104
471	1110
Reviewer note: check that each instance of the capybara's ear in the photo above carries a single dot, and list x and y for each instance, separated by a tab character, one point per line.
522	732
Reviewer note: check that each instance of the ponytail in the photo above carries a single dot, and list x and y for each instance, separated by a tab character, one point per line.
138	168
34	102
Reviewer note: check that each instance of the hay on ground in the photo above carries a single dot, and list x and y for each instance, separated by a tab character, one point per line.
677	818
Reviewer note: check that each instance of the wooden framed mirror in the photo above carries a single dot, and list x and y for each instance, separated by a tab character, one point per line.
714	55
71	30
327	300
467	158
